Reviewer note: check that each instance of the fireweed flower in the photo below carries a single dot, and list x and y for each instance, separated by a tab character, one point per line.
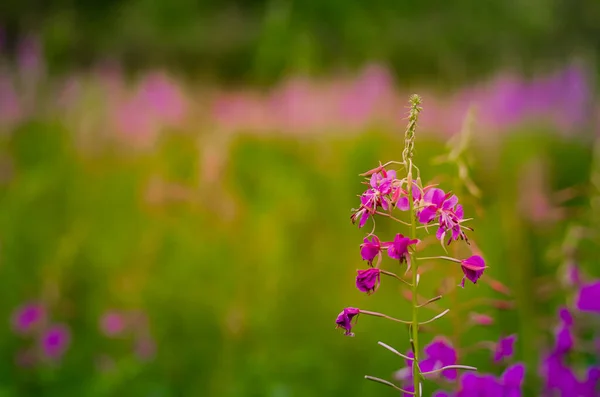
439	353
383	181
376	196
363	213
472	268
512	380
588	299
55	341
505	348
559	378
589	386
398	249
475	385
27	317
368	280
565	316
425	205
444	207
400	197
344	319
370	249
509	384
112	323
564	337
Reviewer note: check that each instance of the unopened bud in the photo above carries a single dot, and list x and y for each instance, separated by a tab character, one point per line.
374	170
503	305
481	319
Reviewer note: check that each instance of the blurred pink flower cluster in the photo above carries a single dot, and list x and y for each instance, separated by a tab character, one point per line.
51	340
130	325
562	99
138	111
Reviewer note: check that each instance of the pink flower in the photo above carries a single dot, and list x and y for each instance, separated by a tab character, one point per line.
344	319
55	341
112	323
376	196
472	268
505	348
400	197
370	249
444	207
368	280
27	317
588	299
398	249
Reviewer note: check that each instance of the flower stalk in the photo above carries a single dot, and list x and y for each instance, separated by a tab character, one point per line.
407	157
432	208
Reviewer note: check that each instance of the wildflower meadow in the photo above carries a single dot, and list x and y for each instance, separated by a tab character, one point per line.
332	200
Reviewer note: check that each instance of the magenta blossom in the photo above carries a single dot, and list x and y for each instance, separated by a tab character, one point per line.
566	318
509	384
558	376
400	197
439	353
475	385
376	196
512	380
564	337
55	341
444	207
473	268
383	183
398	249
112	323
505	348
27	317
368	280
564	340
370	249
588	299
363	213
344	319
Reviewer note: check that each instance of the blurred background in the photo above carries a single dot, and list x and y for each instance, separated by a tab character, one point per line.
177	177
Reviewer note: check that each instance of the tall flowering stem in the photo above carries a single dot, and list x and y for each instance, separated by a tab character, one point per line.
407	155
433	209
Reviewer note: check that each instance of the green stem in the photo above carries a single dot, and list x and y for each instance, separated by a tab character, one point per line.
407	155
415	304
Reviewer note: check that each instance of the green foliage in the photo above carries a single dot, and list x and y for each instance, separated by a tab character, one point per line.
242	279
262	40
